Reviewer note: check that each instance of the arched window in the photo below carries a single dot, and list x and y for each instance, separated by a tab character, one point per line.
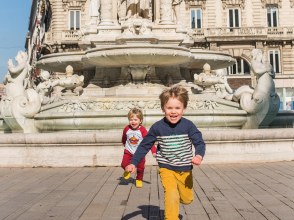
241	67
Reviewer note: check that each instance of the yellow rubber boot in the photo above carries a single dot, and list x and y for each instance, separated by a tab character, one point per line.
127	175
139	183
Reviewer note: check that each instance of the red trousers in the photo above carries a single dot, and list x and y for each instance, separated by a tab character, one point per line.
140	168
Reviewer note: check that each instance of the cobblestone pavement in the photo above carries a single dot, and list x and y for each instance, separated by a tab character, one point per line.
253	191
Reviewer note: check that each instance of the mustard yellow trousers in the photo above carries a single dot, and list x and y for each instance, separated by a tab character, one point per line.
178	188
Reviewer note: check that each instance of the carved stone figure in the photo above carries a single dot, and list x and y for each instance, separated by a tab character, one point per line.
138	27
223	90
19	105
176	8
138	8
70	82
207	81
45	88
94	12
262	103
15	79
121	10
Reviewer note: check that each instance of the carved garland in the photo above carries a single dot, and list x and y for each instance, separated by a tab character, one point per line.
73	4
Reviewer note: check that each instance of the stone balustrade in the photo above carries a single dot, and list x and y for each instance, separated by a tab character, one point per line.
70	35
244	31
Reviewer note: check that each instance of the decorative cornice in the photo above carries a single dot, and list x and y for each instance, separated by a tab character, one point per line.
196	3
233	3
73	5
272	3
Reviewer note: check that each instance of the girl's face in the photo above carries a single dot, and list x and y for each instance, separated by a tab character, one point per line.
135	122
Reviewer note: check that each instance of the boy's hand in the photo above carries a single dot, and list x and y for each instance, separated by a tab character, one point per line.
196	160
154	155
130	168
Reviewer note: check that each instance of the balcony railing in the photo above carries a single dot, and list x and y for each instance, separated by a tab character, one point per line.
244	31
70	35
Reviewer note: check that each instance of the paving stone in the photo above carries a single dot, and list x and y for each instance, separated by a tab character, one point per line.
260	191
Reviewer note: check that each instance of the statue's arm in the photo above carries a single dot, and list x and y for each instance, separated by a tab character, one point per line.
260	68
17	69
55	83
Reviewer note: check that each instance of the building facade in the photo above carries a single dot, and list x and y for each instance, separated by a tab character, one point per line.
235	27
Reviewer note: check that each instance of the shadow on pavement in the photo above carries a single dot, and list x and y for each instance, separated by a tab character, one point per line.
148	212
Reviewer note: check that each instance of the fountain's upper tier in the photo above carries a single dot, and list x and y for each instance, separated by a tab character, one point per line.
135	42
125	55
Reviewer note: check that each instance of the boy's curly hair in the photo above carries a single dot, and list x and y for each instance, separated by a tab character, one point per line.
137	112
177	92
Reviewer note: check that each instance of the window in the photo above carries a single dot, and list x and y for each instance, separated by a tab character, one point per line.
234	18
272	17
196	18
74	20
274	58
241	67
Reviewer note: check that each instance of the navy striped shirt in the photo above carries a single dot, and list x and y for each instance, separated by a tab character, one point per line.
174	150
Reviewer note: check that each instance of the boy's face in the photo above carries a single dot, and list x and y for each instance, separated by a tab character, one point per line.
135	122
173	110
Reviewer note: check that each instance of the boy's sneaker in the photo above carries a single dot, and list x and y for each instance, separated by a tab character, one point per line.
127	175
139	183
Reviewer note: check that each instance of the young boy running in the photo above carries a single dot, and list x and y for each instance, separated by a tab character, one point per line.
174	152
132	136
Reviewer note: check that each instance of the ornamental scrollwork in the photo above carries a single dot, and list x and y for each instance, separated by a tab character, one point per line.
76	106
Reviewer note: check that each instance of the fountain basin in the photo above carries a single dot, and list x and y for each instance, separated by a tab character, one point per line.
125	55
117	120
109	114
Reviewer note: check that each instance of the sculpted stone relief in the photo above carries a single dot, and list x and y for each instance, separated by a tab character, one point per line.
176	8
223	90
16	78
215	85
138	9
74	106
45	87
19	103
132	9
262	102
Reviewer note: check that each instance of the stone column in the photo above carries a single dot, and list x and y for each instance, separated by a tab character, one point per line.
157	11
166	12
106	13
114	11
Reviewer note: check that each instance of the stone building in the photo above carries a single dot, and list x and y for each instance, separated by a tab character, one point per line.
235	27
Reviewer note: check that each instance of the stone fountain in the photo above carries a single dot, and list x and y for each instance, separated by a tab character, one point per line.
132	63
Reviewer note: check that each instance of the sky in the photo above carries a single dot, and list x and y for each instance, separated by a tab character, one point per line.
14	24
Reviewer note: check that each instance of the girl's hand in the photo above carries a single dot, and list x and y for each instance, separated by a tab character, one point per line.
130	168
196	160
154	155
